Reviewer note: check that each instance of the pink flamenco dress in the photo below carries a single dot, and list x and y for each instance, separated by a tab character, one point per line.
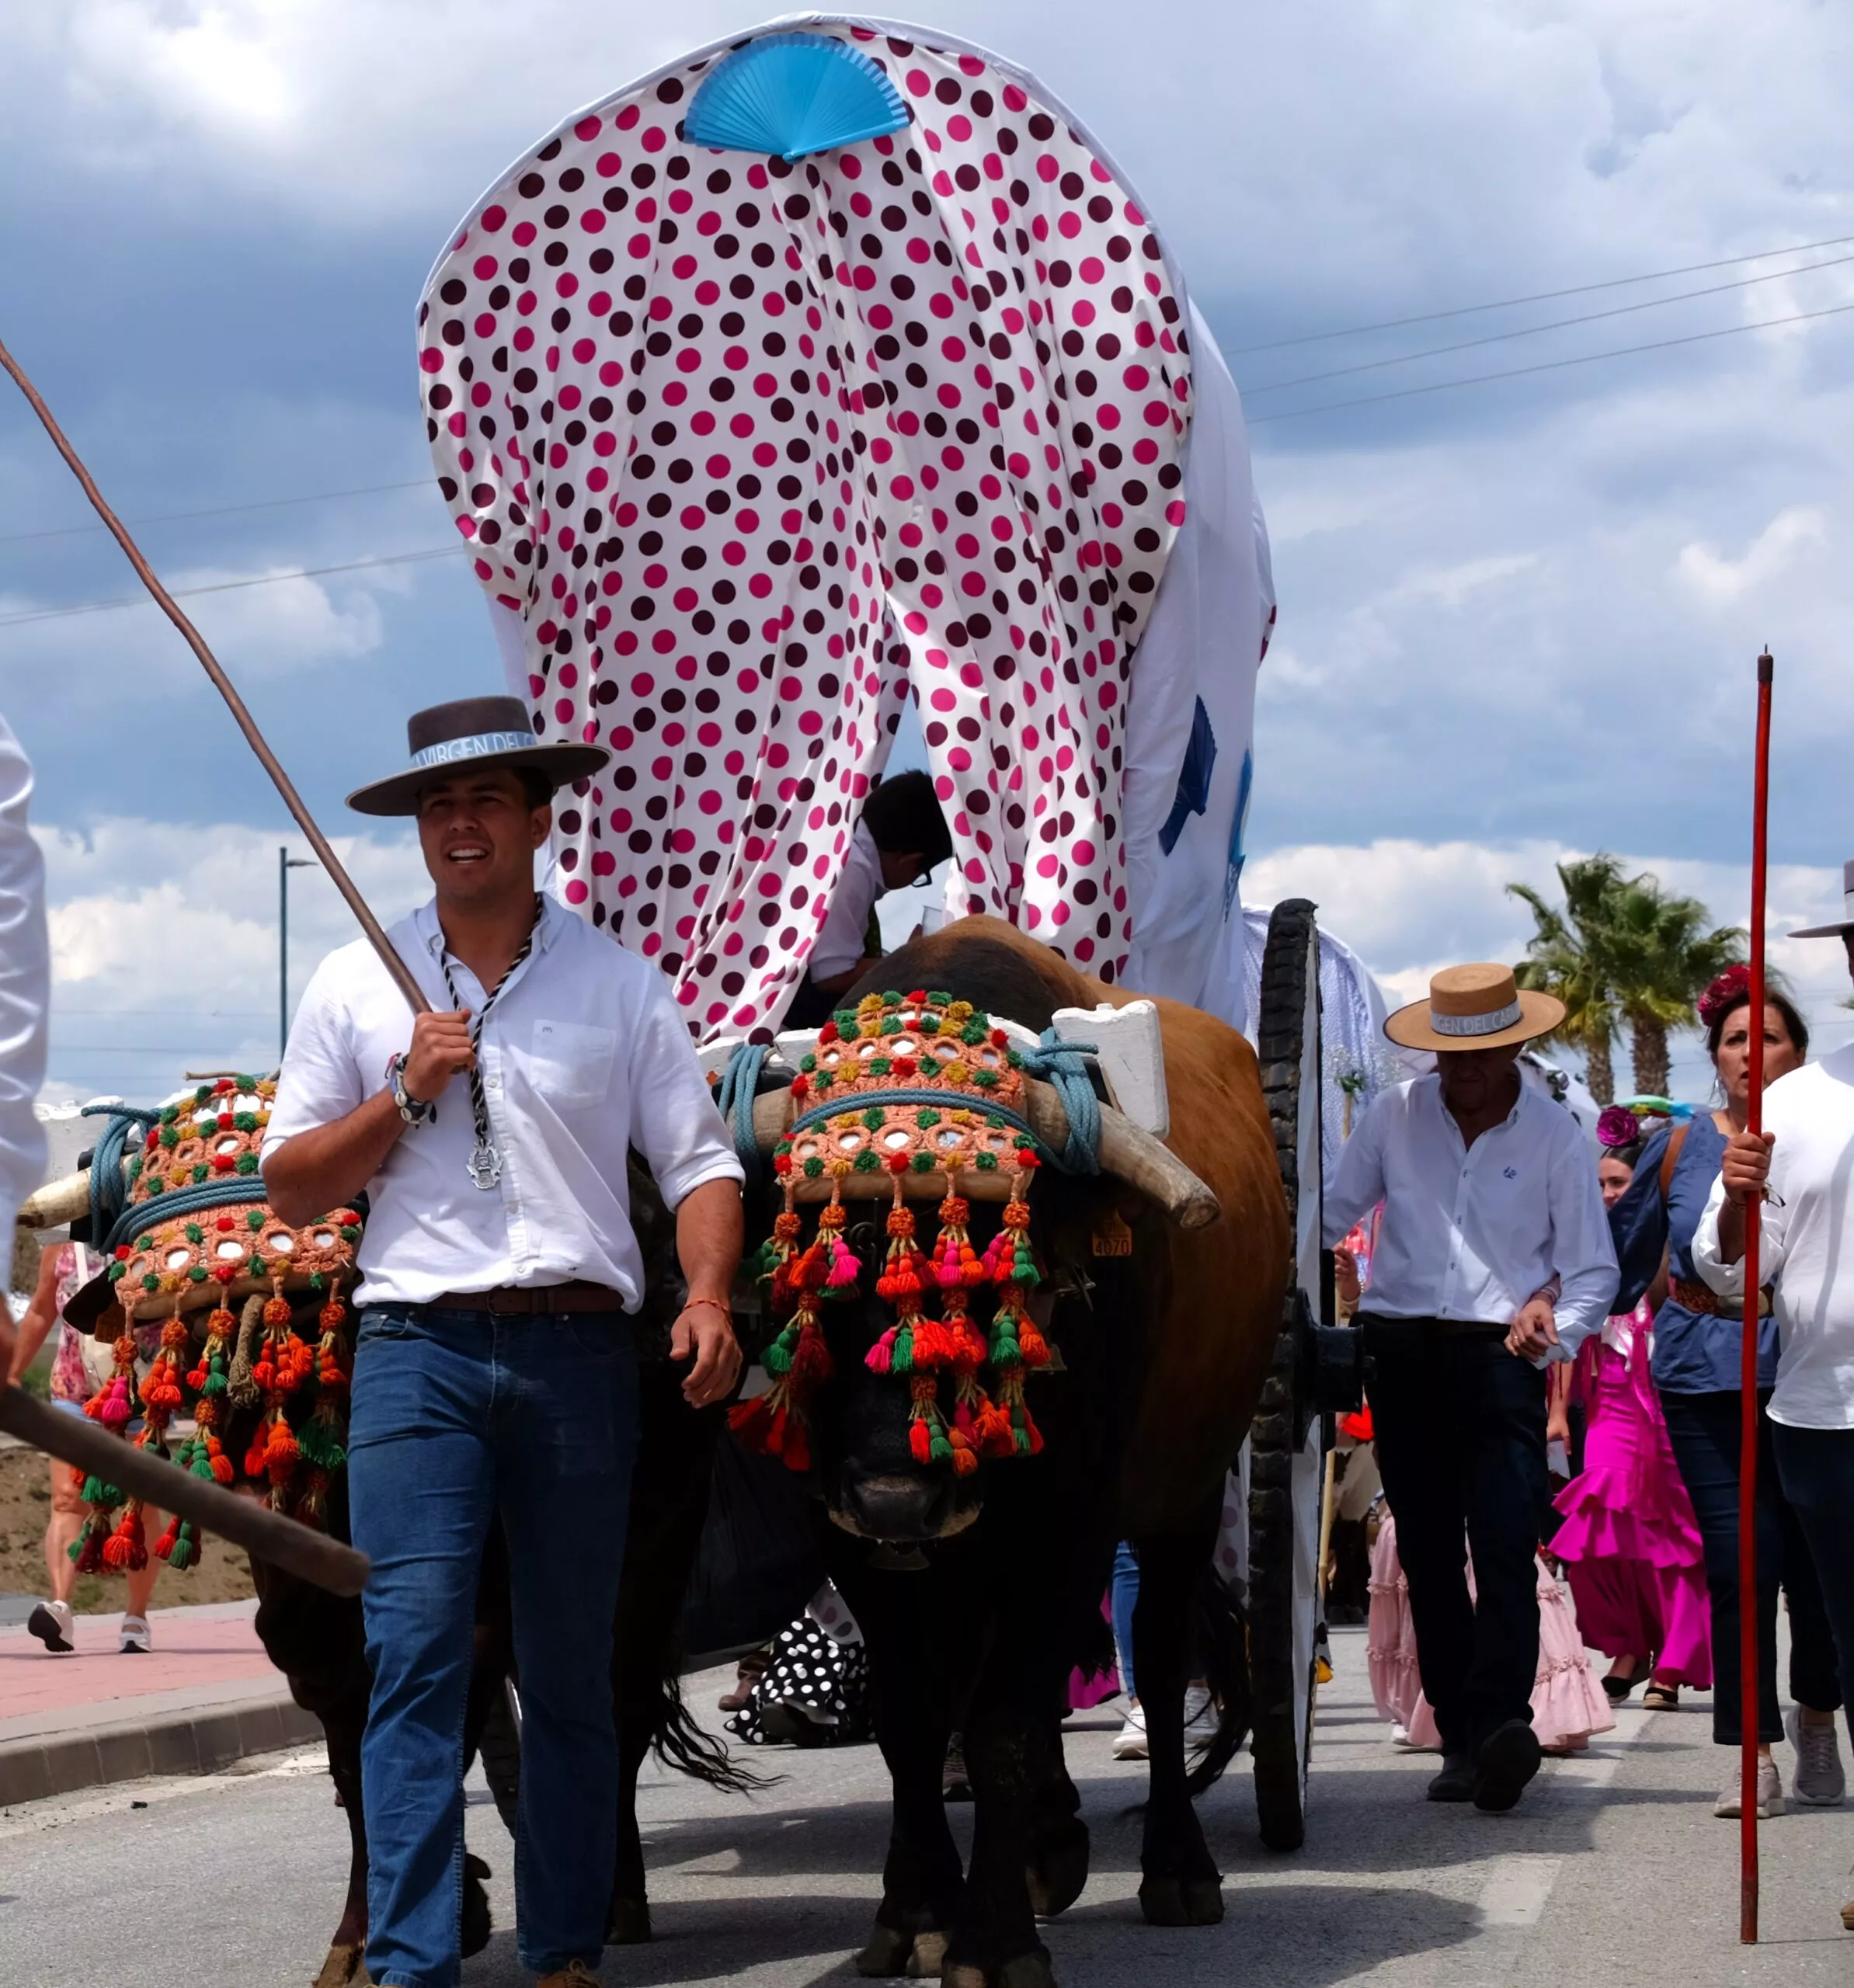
1567	1704
1630	1543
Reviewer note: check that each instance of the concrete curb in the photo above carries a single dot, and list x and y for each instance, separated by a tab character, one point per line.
195	1738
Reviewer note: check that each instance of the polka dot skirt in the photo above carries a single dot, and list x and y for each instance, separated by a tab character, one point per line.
757	451
821	1683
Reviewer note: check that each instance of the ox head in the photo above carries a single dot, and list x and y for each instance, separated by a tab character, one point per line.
919	1252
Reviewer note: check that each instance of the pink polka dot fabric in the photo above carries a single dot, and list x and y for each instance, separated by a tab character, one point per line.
757	450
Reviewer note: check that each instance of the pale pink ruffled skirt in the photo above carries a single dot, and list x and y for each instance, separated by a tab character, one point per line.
1568	1705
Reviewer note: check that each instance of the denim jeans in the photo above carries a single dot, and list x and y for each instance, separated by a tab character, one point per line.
1817	1468
1123	1598
1460	1437
1704	1430
461	1417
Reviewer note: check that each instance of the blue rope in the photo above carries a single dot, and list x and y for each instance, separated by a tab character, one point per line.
231	1191
1061	1063
734	1099
108	1189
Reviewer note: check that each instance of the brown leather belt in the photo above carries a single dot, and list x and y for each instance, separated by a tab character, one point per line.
556	1300
1701	1299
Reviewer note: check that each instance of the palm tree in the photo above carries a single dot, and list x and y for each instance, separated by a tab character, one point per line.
1664	956
1568	955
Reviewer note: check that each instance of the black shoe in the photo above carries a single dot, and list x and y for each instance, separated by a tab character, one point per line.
1509	1758
1455	1782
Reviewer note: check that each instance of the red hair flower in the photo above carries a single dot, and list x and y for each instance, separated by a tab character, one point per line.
1732	985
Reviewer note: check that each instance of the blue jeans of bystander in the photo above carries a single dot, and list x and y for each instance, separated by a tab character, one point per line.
460	1418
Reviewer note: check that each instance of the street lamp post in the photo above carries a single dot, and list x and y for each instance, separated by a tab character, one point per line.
285	863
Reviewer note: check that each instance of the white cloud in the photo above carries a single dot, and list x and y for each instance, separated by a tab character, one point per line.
1717	578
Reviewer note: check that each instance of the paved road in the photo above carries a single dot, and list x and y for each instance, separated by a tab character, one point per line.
1612	1871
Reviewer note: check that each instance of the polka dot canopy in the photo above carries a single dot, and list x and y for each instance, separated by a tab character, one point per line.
757	451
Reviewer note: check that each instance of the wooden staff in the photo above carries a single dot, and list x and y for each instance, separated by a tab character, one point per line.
268	1535
1748	1445
325	855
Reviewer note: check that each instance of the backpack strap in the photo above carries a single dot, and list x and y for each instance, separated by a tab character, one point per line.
1670	1159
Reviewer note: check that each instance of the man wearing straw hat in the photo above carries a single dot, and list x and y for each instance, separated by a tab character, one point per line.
1490	1204
494	1375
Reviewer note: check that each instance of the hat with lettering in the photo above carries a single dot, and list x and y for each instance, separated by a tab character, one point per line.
1842	927
1474	1007
468	735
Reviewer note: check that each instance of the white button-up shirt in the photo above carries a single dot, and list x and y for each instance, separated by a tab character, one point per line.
1805	1243
839	942
24	986
582	1055
1471	1232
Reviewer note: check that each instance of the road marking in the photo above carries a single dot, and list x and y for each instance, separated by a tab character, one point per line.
1516	1890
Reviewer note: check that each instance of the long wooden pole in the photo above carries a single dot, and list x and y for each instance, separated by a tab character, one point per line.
1747	1446
375	932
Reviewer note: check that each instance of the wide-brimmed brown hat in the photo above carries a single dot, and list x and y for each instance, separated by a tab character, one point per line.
467	733
1840	927
1478	1007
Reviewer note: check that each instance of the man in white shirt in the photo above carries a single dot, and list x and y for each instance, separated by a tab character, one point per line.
1490	1201
25	994
494	1372
1802	1165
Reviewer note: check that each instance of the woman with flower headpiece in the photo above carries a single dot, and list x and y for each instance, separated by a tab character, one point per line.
1629	1542
1694	1366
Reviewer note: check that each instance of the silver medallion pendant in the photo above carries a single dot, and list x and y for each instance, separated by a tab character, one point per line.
485	1167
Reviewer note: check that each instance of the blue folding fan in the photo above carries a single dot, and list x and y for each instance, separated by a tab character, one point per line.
791	94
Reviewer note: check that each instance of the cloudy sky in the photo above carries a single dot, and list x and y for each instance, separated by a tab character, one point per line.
1517	617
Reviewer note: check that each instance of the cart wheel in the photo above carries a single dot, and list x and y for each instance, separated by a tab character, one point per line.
1287	1439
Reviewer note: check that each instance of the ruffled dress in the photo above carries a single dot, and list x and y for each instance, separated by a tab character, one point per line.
1629	1542
1568	1705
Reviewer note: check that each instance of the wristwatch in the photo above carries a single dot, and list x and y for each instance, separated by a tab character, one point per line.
414	1110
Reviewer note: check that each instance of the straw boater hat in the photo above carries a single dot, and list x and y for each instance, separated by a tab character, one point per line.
1841	927
469	733
1474	1007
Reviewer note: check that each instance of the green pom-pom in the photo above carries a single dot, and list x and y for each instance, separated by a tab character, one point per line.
245	1121
874	1118
845	1019
194	1233
170	1114
994	1121
985	1079
891	999
201	1172
939	1448
880	1066
117	1272
866	1162
776	1359
986	1162
927	1117
901	1359
317	1281
145	1241
198	1273
938	998
822	1081
247	1163
202	1093
814	1167
169	1137
135	1169
1012	1057
891	1025
150	1281
156	1185
922	1162
245	1082
808	1063
929	1025
974	1032
349	1233
255	1267
254	1219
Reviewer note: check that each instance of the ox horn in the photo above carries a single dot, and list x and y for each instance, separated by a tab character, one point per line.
57	1202
1129	1153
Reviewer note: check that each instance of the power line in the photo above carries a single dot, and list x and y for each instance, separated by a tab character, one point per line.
1551	365
1553	325
220	510
231	586
1539	296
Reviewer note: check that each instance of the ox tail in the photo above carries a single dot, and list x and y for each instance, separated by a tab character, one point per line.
680	1741
1223	1644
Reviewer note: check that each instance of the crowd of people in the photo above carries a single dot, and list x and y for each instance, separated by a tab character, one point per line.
1530	1305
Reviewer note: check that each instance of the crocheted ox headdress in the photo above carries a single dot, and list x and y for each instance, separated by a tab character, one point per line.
194	1234
907	1092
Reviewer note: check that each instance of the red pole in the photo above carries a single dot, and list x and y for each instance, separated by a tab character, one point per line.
1748	1452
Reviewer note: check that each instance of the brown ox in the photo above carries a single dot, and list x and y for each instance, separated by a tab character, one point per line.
980	1593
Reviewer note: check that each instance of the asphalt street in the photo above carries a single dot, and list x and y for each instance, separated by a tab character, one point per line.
1613	1870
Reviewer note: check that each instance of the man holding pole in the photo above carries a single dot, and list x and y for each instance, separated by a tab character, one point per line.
494	1375
1800	1170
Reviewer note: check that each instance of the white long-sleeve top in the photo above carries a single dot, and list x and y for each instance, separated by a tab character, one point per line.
25	984
1806	1243
1471	1232
582	1055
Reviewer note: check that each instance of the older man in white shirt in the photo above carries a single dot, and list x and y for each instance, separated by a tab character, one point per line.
494	1374
1802	1166
1490	1203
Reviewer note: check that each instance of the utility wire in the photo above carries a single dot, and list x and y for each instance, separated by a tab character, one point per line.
1552	324
230	586
1539	296
220	510
1551	365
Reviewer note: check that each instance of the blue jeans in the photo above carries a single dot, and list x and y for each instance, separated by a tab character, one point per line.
1123	1597
461	1417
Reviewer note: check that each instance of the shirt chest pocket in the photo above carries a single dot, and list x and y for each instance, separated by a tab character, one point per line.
569	1063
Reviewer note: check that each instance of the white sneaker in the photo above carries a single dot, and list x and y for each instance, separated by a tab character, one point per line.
1200	1716
1819	1781
1129	1742
51	1622
136	1639
1770	1794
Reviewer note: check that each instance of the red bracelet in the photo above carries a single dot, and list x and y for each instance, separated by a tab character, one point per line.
716	1304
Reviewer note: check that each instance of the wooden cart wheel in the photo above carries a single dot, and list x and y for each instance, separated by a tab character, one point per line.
1287	1439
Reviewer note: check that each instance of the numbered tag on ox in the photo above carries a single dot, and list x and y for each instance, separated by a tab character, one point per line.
1112	1236
485	1167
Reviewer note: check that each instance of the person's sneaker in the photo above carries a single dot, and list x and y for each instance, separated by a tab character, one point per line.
1509	1758
1200	1716
1770	1794
1455	1782
1130	1742
51	1622
136	1639
1819	1781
